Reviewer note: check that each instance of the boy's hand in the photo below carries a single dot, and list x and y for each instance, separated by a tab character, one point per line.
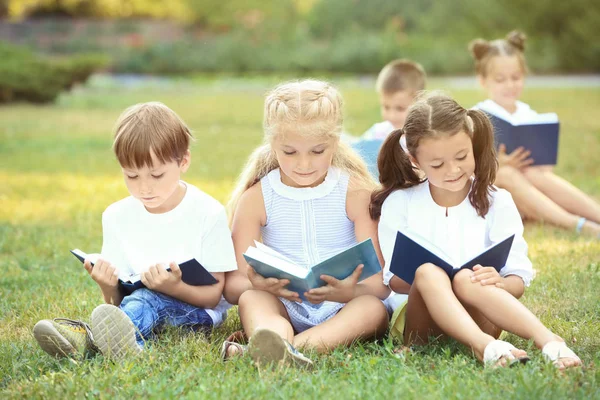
487	276
159	279
105	275
518	159
339	291
272	285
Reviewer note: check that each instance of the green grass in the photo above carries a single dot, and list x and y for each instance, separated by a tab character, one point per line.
57	174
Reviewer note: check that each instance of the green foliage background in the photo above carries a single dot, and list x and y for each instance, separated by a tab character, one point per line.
332	35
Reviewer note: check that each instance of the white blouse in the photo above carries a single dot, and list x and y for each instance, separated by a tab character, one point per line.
458	231
522	115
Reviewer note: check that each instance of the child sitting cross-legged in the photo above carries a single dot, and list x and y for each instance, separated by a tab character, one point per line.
164	222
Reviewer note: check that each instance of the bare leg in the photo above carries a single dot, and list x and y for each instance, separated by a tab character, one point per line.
504	311
261	309
535	205
563	193
363	317
433	308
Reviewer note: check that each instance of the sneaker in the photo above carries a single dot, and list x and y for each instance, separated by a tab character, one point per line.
62	337
114	333
267	347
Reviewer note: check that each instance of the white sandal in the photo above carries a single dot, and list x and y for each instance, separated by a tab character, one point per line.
555	350
497	349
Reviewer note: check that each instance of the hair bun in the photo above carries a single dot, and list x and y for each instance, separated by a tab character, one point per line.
517	39
479	48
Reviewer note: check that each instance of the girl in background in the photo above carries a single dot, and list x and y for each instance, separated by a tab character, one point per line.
538	192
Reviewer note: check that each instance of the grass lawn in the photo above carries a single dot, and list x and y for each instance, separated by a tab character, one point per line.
57	174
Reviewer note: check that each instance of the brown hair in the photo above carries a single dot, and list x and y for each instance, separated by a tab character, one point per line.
483	51
400	75
312	108
150	128
434	116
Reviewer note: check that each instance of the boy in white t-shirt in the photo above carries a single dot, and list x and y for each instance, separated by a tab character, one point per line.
397	86
164	222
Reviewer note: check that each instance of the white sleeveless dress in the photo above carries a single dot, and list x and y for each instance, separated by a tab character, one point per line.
307	225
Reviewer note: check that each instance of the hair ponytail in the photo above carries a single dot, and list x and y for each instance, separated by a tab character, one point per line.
395	171
484	51
516	39
479	48
486	163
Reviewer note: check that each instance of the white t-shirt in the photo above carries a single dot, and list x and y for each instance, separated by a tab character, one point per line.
462	234
134	239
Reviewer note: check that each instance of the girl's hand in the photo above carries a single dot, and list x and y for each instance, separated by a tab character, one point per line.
105	275
272	285
518	159
487	276
159	279
336	290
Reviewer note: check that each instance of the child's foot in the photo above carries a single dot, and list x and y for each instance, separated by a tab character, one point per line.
499	353
267	347
114	333
560	355
62	337
234	345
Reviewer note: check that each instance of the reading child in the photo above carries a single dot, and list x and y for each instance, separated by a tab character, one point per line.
457	209
163	222
538	192
397	86
306	195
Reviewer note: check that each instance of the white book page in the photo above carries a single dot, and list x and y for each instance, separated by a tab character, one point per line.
546	118
93	257
276	262
431	247
267	250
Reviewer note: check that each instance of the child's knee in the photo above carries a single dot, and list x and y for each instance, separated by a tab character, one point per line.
506	175
462	285
141	298
372	309
428	274
250	298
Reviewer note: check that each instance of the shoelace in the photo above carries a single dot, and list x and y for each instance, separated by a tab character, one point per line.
80	324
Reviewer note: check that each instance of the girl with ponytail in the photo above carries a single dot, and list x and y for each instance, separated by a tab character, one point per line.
539	193
306	195
457	209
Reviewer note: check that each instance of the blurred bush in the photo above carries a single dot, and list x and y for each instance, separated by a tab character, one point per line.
25	76
308	36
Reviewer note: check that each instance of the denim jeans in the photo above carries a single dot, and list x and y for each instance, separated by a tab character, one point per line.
149	310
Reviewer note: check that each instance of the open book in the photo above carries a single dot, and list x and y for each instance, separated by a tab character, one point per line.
272	264
411	251
539	136
192	273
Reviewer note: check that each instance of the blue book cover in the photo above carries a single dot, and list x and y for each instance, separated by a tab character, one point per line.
368	149
192	273
271	264
540	138
412	252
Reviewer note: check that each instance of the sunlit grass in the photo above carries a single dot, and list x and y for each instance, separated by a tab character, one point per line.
58	174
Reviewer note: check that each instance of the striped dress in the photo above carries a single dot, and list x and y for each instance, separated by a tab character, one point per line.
307	225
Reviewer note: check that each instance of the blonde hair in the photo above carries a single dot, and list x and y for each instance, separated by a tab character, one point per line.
401	75
311	108
150	128
483	51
